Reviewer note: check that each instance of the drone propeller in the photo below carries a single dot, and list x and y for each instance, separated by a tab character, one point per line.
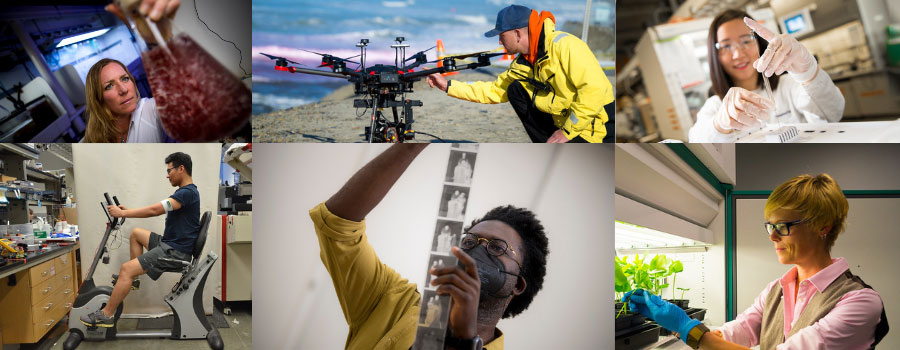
418	54
327	57
279	59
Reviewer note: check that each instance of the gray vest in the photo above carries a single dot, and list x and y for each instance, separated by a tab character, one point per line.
772	328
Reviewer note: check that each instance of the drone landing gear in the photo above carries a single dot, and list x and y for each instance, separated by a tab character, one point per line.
381	130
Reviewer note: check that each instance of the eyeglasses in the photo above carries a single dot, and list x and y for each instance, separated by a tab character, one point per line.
495	247
783	228
744	41
169	170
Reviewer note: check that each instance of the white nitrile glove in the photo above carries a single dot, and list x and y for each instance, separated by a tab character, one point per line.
741	109
784	54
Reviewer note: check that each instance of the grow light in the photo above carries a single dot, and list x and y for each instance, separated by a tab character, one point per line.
82	37
634	237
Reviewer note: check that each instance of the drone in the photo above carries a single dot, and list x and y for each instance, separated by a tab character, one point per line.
387	85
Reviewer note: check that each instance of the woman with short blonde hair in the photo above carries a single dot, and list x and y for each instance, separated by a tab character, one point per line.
817	304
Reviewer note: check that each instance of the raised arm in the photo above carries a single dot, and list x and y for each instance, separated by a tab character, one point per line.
371	183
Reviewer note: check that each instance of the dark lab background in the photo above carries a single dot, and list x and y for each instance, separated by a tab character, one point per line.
47	49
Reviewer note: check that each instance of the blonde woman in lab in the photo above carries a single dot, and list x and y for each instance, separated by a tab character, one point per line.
805	95
817	304
115	111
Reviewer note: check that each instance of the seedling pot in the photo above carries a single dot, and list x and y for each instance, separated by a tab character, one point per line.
682	303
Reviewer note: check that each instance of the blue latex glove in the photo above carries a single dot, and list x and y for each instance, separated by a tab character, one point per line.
668	315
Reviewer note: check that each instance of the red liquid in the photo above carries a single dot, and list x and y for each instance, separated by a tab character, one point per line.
197	99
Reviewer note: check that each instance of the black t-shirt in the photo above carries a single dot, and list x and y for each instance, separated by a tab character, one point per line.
183	225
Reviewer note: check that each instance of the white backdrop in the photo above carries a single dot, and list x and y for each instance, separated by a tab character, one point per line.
136	174
569	187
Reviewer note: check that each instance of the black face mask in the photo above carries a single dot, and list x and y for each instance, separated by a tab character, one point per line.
491	272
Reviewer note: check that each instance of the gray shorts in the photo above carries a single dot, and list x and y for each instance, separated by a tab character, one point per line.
157	249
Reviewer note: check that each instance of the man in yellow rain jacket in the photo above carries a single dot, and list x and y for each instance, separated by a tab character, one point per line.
555	84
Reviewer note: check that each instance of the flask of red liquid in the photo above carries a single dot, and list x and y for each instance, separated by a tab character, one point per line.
197	99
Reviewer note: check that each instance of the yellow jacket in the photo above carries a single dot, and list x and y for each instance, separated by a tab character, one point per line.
580	89
380	306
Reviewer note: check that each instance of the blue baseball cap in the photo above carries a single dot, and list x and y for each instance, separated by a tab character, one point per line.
509	18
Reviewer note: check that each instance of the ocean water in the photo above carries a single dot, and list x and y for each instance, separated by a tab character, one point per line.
282	27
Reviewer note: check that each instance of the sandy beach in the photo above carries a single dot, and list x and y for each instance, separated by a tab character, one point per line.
333	119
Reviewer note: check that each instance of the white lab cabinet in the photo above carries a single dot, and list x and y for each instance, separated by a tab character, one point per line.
239	228
237	256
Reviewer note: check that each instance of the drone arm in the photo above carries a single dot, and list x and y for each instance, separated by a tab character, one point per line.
482	62
425	72
293	69
414	65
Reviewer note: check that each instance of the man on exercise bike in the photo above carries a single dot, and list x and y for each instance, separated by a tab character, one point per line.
177	241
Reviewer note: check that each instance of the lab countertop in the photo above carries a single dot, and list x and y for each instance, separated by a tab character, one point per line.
15	266
845	132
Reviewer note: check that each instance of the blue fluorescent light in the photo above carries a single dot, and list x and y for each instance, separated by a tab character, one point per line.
82	37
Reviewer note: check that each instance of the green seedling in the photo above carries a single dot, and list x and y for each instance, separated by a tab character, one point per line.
624	307
622	284
658	273
682	292
675	268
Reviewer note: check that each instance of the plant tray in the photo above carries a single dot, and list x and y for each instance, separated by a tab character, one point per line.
664	332
697	314
629	320
682	303
637	337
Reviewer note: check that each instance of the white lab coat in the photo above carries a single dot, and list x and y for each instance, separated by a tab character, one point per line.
820	101
145	126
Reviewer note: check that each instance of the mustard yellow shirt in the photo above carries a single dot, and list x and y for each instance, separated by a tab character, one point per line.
380	306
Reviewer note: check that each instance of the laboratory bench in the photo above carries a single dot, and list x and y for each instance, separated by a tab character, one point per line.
37	294
843	132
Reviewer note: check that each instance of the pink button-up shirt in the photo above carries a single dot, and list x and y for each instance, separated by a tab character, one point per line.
842	328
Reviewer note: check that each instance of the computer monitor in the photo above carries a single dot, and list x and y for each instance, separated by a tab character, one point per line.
797	23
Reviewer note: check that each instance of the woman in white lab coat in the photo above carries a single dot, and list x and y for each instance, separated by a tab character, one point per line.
805	95
817	304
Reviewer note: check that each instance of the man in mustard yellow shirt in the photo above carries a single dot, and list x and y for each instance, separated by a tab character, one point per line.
504	254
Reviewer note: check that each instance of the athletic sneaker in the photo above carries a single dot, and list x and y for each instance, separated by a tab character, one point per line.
97	319
135	284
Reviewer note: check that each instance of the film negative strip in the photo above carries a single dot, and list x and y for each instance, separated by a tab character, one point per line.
434	310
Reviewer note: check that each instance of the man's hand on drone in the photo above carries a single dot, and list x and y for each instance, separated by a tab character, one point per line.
437	80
